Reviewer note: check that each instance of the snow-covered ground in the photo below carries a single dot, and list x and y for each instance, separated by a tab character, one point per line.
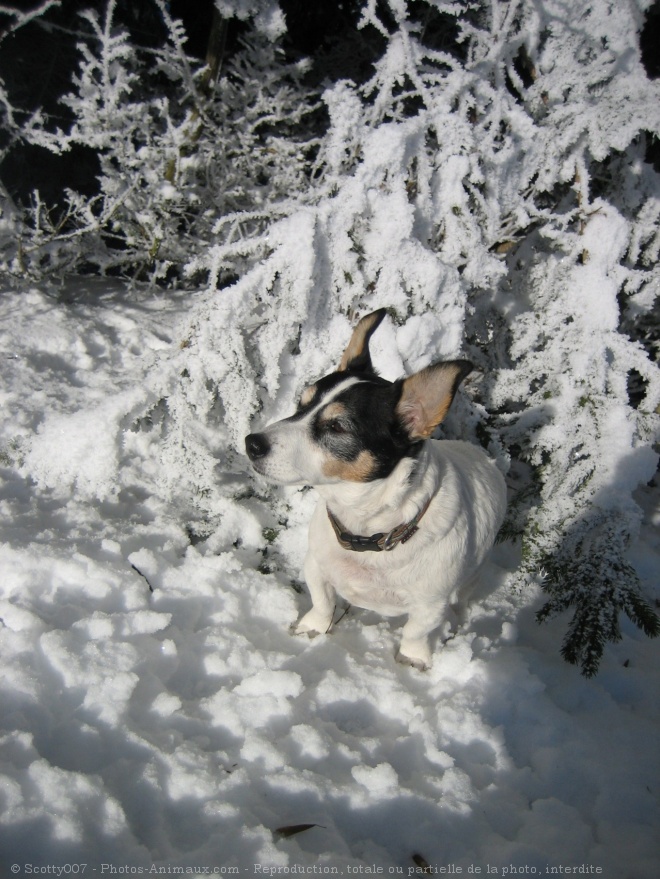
155	709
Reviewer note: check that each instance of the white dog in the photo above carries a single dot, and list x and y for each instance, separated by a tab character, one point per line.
405	521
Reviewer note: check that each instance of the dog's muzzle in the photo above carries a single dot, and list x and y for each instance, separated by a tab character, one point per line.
257	445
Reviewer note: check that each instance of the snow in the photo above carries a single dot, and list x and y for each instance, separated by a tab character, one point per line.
156	710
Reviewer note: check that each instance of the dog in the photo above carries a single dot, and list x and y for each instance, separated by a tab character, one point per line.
405	521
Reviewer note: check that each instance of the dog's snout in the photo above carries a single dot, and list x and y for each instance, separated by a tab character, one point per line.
257	445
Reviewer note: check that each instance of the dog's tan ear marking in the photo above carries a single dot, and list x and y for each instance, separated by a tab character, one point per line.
427	396
356	356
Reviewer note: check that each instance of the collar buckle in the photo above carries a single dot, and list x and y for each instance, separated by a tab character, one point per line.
391	540
358	543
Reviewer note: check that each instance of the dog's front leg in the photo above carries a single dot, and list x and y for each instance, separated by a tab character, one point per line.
414	648
319	618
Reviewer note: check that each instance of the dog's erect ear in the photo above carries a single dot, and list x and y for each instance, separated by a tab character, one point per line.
356	356
427	396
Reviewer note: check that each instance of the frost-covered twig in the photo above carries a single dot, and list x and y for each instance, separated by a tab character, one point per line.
24	17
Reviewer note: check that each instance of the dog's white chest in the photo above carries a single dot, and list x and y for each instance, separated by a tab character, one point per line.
367	585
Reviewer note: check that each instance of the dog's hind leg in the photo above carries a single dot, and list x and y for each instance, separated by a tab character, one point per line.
319	618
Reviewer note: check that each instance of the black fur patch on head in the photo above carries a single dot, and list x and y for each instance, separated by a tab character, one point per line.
360	425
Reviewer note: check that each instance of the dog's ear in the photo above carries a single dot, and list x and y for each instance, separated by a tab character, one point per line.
356	356
427	395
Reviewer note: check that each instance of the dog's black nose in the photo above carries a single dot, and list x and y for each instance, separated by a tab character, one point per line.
257	445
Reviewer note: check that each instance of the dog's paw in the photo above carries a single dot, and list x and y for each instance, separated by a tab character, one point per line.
413	663
313	623
417	655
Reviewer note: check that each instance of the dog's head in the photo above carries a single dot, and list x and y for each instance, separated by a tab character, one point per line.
352	425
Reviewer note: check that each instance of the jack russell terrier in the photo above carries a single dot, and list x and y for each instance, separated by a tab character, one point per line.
405	521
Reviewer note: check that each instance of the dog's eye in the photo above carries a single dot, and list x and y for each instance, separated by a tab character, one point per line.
335	426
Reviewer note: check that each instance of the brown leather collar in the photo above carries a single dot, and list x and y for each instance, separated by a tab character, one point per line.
380	541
